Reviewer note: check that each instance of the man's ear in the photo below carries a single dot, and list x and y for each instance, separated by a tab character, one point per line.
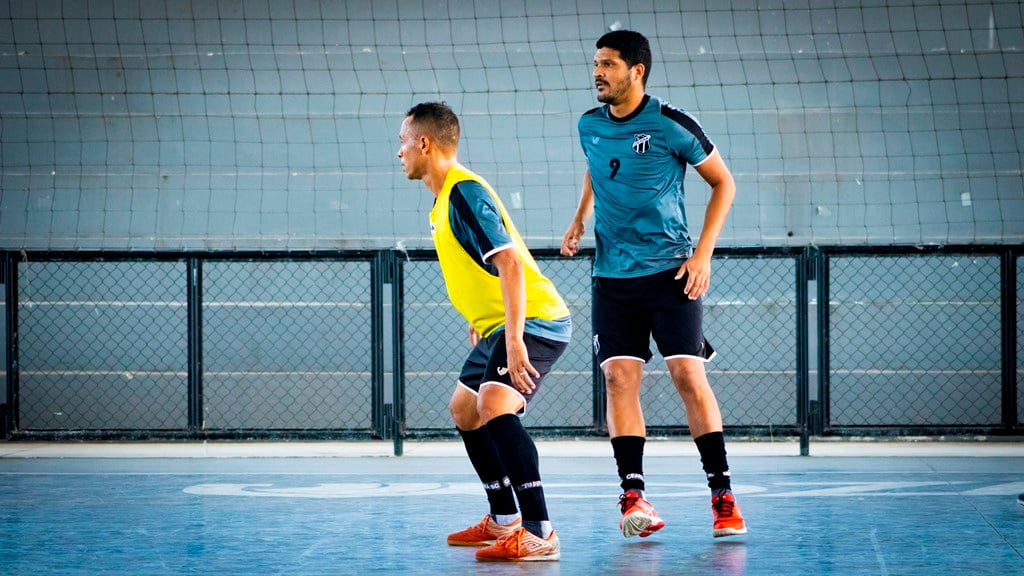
424	144
640	70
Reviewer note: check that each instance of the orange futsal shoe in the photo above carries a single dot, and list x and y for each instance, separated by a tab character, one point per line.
483	533
728	521
522	546
638	516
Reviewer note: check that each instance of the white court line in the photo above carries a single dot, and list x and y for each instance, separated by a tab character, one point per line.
998	489
600	490
1010	487
674	448
883	570
877	371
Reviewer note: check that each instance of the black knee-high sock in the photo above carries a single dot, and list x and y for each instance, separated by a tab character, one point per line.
629	457
483	454
519	454
712	455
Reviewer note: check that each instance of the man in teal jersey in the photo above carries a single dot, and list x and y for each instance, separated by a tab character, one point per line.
649	276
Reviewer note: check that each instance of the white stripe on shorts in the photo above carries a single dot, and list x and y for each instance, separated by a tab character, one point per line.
518	393
607	360
701	358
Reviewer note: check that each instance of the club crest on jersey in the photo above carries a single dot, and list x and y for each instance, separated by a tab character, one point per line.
641	143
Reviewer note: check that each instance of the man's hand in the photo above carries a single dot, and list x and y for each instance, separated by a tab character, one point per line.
697	270
474	336
571	240
519	368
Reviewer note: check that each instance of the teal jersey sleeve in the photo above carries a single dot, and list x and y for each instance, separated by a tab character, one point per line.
477	223
686	136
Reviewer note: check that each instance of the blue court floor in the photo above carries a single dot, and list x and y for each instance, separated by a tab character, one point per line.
352	508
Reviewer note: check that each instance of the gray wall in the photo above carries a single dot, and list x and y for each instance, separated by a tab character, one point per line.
168	124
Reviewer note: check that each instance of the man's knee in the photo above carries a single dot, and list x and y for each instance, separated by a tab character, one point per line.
462	407
688	374
620	378
495	401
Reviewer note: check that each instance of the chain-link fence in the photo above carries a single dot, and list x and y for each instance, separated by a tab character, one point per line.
915	341
307	345
287	345
1018	366
750	320
437	342
283	345
102	345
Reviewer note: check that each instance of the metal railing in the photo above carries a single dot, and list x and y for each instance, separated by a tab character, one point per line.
364	344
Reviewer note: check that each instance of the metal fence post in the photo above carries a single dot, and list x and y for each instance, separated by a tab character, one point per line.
10	278
600	403
388	417
820	417
378	277
804	273
398	352
194	297
1008	327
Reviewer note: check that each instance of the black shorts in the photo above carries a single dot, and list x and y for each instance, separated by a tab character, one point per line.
628	311
488	362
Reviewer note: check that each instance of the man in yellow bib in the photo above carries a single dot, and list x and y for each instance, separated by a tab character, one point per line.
518	324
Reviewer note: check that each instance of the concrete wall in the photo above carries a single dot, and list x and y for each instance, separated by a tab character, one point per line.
168	124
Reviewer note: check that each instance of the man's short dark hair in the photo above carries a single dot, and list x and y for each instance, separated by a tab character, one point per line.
633	48
437	120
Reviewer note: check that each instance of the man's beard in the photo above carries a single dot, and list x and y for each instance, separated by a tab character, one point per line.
611	94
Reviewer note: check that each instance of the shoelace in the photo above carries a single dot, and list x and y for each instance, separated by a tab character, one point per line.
724	506
626	502
513	541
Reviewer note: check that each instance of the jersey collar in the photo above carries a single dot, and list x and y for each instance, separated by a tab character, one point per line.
631	115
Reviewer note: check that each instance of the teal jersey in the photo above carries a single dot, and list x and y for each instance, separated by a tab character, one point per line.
637	164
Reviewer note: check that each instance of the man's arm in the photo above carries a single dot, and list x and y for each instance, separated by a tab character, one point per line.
513	292
571	240
723	190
